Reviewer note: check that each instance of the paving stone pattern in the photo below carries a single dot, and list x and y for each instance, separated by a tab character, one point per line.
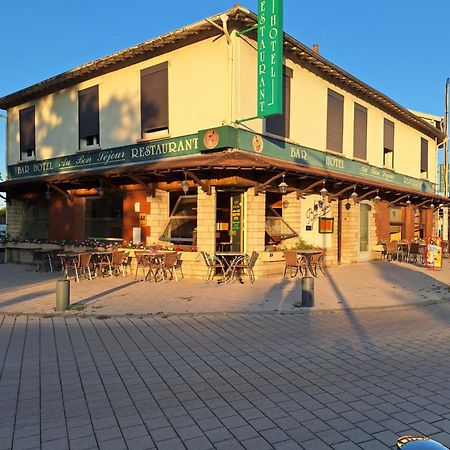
348	380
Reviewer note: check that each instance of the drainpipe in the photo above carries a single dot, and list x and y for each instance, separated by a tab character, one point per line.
231	78
231	82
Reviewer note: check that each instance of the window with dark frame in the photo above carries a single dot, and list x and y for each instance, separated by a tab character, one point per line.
335	121
360	132
280	124
388	144
27	130
154	99
88	118
423	158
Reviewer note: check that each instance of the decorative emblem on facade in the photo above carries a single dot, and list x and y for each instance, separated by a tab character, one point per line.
319	209
211	139
257	143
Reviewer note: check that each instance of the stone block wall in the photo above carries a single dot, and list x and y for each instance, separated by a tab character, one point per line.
14	218
255	221
292	216
158	215
349	233
206	220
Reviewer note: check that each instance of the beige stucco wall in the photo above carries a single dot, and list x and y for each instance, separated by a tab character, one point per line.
198	86
199	97
309	116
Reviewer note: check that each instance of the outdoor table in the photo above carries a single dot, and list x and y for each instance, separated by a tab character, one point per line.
229	259
308	254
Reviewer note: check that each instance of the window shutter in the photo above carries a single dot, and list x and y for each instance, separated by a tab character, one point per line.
360	132
155	98
335	121
280	124
423	155
88	115
27	129
388	135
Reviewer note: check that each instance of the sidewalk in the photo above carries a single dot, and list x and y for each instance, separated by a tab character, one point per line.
375	284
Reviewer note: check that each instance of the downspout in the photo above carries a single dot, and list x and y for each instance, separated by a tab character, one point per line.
231	78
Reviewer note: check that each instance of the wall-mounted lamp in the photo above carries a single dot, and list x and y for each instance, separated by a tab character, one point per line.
48	194
377	199
354	196
283	187
185	185
100	190
323	191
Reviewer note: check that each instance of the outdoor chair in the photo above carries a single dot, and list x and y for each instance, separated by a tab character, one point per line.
116	266
80	265
213	263
391	251
415	253
316	262
171	264
126	262
142	263
291	263
245	264
402	250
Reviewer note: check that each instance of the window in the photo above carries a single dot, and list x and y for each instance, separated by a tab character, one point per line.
335	121
88	118
388	146
396	223
103	219
360	132
182	226
279	124
423	158
154	100
27	133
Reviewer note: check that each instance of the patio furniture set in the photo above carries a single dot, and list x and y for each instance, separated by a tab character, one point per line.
404	251
231	266
305	262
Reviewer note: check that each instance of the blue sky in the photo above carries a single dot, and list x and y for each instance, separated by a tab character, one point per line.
401	47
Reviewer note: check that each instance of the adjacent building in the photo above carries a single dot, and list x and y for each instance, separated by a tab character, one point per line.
156	144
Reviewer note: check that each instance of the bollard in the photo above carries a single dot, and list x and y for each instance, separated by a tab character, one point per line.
308	291
62	295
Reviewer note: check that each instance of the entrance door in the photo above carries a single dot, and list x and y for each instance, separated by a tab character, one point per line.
230	221
364	231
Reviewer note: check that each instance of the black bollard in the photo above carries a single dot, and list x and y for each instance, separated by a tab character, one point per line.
307	291
62	295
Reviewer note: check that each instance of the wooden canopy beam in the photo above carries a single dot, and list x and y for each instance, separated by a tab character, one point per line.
61	191
205	186
260	187
149	188
342	191
398	199
300	192
367	194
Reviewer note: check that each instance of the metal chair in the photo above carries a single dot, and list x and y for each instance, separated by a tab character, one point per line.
415	253
244	264
316	262
79	265
171	265
291	263
212	262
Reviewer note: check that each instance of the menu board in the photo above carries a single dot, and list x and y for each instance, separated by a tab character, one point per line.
433	252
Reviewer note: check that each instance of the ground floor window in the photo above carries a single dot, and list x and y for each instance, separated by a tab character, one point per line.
396	223
35	220
276	228
182	226
104	217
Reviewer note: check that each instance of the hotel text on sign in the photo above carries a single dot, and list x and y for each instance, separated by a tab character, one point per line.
270	57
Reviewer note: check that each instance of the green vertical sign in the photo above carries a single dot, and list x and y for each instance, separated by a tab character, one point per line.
270	57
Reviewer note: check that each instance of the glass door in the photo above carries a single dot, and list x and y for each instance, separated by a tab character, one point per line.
237	225
364	231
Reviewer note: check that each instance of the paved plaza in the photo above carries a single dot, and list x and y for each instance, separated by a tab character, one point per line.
188	365
342	380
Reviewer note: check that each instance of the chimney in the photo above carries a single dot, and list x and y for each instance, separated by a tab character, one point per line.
316	48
